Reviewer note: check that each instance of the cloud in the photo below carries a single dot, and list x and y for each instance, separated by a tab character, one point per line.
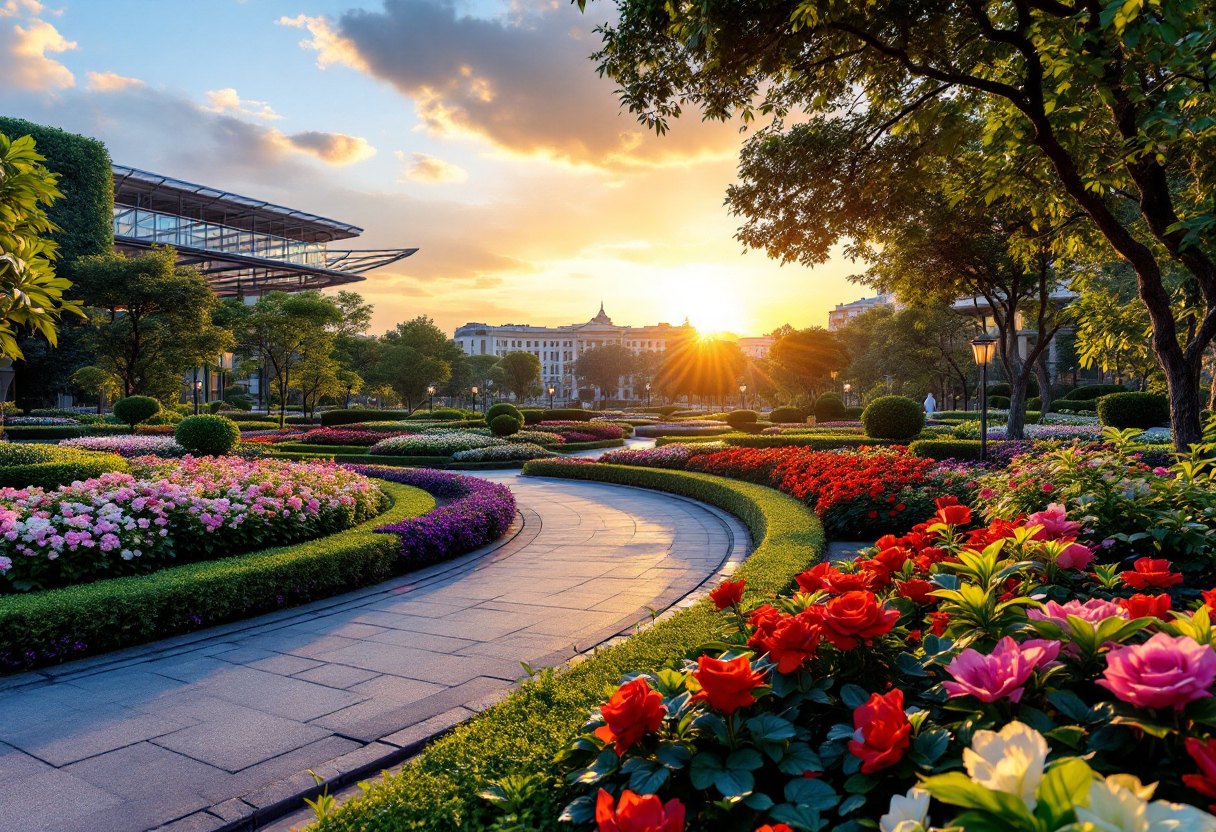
227	101
332	48
424	168
521	81
110	82
331	148
24	60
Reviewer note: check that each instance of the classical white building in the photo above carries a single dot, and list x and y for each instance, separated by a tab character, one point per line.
558	347
845	312
756	347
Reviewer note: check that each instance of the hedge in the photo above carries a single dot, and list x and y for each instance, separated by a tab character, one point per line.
358	454
962	449
63	431
523	734
349	417
567	414
893	417
817	442
62	624
1134	410
1090	392
664	430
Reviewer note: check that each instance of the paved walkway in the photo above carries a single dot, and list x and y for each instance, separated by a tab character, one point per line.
217	730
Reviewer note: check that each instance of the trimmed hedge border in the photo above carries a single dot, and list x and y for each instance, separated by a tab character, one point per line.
76	621
428	461
818	443
15	432
522	734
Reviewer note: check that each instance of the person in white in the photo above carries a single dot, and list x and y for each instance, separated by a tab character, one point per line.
930	404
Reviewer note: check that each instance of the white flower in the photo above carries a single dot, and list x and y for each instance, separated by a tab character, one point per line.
906	813
1011	761
1177	817
1116	804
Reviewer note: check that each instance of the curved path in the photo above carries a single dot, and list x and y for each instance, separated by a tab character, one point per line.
217	730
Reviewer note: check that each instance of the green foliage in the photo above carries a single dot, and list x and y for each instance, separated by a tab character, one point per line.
999	402
503	409
787	415
893	417
207	435
1091	392
1001	389
44	432
1134	410
829	408
741	417
136	409
522	735
605	367
50	466
962	449
441	414
215	406
120	612
532	416
853	412
333	418
166	417
1034	404
569	414
520	370
505	425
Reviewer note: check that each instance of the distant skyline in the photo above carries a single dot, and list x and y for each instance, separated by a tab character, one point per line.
477	131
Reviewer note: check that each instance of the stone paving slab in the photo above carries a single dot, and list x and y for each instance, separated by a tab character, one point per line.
217	730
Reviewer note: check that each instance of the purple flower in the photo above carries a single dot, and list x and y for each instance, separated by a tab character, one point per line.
1002	673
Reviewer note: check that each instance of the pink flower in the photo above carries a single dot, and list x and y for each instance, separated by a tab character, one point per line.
1001	674
1054	521
1165	671
1075	556
1161	472
1094	611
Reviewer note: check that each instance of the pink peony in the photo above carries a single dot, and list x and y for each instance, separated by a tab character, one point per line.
1094	611
1002	673
1055	523
1165	671
1075	556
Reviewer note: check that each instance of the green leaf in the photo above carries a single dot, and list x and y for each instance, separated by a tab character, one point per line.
770	727
735	783
758	801
800	758
1071	705
1062	788
798	817
930	745
1070	735
745	759
673	755
854	696
958	789
812	794
648	778
851	804
705	769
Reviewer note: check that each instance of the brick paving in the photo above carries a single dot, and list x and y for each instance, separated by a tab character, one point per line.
216	730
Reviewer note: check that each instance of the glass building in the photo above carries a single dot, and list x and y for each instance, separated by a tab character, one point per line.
244	247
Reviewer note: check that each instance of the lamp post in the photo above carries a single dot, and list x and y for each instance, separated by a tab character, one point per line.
982	349
430	391
474	397
742	396
486	394
834	374
648	394
847	388
198	385
552	390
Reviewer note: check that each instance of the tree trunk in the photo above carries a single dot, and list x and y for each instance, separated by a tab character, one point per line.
1015	427
1212	391
1044	377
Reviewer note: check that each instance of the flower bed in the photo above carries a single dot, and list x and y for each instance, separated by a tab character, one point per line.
956	676
130	446
443	443
173	512
50	466
596	430
542	438
478	512
674	457
512	452
41	420
341	436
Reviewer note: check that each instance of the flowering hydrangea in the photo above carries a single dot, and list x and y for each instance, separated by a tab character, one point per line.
170	512
129	446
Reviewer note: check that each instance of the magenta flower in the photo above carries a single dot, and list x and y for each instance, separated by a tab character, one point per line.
1075	556
1165	671
1094	611
1002	673
1055	523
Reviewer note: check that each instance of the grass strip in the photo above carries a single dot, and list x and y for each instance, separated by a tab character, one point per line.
521	735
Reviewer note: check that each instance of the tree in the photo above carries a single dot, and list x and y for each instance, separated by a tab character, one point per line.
286	331
707	368
520	370
149	320
31	295
96	381
1112	330
409	372
604	367
810	356
356	314
317	377
1097	113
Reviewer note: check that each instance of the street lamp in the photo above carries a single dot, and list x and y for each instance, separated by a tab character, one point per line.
474	398
847	388
834	374
551	392
198	385
982	349
430	391
742	396
648	394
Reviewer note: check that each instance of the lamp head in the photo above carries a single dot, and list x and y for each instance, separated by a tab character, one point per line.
983	349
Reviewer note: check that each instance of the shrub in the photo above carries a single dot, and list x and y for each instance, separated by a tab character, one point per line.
443	414
516	451
829	408
50	466
1034	404
533	416
256	426
740	417
136	409
1078	406
349	417
570	414
215	406
168	417
787	416
1134	410
1000	452
207	435
1001	389
1094	391
128	446
505	424
853	412
893	417
999	402
503	409
432	444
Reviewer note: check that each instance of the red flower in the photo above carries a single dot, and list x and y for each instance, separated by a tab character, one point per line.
1151	572
953	515
633	711
780	827
814	578
1048	488
1209	601
915	635
726	686
789	642
638	813
872	514
893	558
948	500
938	621
1203	752
854	616
727	594
1143	606
762	613
882	731
917	590
842	582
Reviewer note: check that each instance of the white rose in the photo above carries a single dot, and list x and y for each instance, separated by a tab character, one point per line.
906	813
1010	761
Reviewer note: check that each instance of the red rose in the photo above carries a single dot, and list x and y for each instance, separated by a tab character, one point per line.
727	594
638	813
633	711
917	590
1144	606
1151	572
882	731
948	500
762	613
790	641
853	616
953	515
778	827
872	514
842	582
915	635
1209	601
726	686
814	578
938	621
1203	752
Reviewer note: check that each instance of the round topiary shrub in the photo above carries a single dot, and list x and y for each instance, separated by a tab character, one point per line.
787	416
1134	410
999	402
207	435
893	417
165	417
136	409
503	409
741	417
505	424
829	408
853	413
1094	391
1001	389
533	417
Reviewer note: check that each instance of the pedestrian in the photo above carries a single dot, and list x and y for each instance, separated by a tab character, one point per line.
930	404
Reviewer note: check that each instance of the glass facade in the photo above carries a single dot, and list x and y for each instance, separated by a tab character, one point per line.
168	229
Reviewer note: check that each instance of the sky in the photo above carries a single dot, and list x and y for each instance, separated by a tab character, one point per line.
477	131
